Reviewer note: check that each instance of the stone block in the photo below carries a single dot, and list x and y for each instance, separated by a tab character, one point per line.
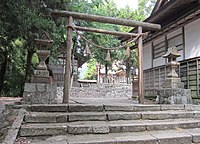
39	79
53	98
94	141
49	107
161	126
42	73
99	129
27	97
172	107
174	96
114	128
183	115
85	108
101	91
51	142
123	116
173	83
196	138
196	114
11	136
41	98
156	116
16	106
41	87
44	130
43	118
42	94
139	139
19	119
189	124
51	87
189	107
87	117
146	108
173	138
195	133
62	119
118	108
167	115
80	129
30	87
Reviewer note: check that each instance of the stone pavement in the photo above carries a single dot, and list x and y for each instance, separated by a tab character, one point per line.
7	100
7	117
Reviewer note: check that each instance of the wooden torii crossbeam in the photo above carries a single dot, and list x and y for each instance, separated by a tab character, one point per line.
96	18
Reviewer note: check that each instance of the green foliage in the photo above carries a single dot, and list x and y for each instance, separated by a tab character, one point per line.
22	21
109	9
15	68
91	70
103	8
35	60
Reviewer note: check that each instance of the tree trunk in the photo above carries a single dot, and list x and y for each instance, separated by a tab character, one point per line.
29	65
3	71
128	70
27	77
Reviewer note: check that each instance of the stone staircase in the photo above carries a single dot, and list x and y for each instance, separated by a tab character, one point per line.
111	124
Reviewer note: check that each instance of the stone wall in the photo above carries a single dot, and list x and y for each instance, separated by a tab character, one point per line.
100	91
39	93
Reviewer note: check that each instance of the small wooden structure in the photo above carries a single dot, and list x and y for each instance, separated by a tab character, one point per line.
95	18
180	20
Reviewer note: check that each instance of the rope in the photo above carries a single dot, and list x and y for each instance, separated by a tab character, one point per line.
98	46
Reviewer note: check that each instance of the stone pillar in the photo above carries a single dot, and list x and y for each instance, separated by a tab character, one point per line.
172	91
41	90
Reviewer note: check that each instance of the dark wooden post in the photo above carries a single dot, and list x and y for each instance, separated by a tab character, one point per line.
67	80
140	65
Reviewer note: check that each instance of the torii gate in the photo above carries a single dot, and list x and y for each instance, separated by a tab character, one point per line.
95	18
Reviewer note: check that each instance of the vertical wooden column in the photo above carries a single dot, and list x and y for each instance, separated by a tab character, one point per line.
140	65
67	80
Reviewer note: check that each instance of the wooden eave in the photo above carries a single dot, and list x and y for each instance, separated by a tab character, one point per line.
179	22
171	10
169	14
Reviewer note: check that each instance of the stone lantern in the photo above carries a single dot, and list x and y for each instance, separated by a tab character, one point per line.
172	80
41	74
41	90
172	91
171	56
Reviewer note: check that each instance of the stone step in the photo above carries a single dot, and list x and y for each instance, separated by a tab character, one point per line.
104	127
97	108
41	117
178	136
104	107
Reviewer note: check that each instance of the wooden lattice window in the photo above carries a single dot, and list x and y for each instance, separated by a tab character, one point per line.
159	50
176	41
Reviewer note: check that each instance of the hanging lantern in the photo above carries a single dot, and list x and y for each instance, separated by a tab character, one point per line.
108	59
87	49
128	52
